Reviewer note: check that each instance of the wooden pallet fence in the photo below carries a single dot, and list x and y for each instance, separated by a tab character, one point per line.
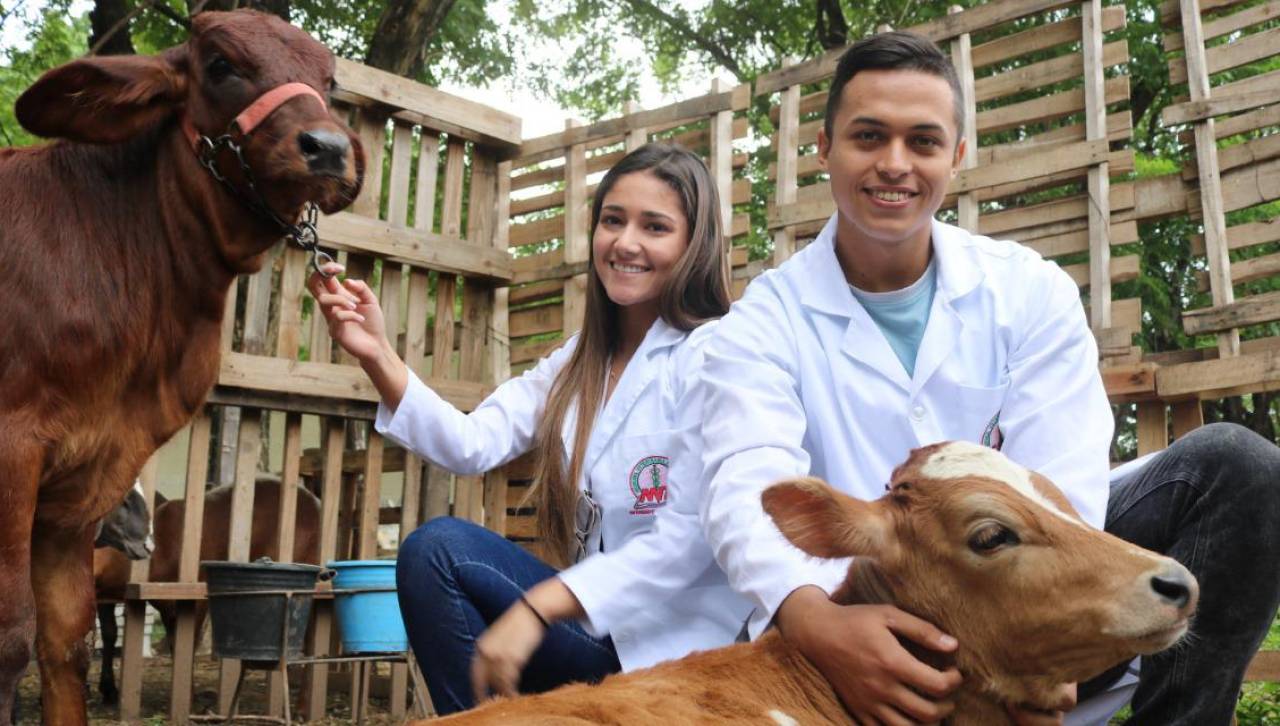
429	229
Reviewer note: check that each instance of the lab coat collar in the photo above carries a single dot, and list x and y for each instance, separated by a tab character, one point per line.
636	377
957	272
828	292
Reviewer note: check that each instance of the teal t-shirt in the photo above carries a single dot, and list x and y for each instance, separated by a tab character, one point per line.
902	314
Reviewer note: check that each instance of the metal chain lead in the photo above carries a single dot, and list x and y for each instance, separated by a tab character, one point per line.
303	233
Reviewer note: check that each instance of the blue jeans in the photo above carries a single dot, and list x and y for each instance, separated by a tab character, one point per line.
1212	502
454	579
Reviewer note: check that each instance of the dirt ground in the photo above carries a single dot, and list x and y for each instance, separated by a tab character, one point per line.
155	695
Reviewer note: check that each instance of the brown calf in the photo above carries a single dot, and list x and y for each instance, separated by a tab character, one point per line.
990	552
118	249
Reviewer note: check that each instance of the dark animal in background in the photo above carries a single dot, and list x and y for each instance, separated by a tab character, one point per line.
125	537
118	249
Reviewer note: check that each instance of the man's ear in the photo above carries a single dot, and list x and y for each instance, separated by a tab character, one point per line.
825	523
104	99
824	147
957	163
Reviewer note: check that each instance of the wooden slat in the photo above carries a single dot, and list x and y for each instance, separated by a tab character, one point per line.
1153	427
733	100
1047	108
327	380
1240	51
445	252
1130	380
189	563
1098	189
322	615
1265	666
1245	311
401	169
1044	73
577	242
439	110
962	58
977	18
240	527
1228	24
1221	377
1041	37
1120	269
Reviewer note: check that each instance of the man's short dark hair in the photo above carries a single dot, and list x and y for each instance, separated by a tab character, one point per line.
893	51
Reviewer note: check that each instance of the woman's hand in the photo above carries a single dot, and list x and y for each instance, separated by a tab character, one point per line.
356	322
503	650
352	311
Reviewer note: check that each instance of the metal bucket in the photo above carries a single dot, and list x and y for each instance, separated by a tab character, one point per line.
364	593
249	603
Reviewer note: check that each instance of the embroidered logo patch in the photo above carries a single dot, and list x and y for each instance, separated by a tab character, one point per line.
993	437
648	481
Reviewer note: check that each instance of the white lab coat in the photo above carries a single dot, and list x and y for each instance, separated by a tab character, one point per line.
800	380
652	584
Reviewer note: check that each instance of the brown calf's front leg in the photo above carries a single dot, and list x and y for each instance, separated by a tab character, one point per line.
19	477
62	579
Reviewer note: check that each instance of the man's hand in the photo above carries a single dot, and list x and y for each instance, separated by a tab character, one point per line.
856	649
1063	700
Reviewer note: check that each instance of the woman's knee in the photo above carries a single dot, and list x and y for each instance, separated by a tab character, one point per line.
439	542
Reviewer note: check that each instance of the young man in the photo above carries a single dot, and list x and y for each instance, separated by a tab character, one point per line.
891	331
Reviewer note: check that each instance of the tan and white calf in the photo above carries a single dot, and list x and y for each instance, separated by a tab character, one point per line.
988	551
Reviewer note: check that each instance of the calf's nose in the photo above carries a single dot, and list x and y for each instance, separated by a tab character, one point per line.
1176	586
325	151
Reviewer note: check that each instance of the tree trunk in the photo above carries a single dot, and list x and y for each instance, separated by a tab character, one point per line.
110	22
405	28
832	30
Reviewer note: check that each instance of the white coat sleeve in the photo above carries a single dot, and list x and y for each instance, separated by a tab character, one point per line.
501	428
654	565
753	434
1056	419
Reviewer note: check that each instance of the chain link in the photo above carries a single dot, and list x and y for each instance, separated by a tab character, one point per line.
303	233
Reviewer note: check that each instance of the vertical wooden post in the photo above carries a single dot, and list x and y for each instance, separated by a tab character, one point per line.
436	497
1211	205
787	184
286	522
1187	417
495	482
440	482
962	59
240	528
577	236
721	133
1153	427
184	639
135	612
635	137
322	613
1095	119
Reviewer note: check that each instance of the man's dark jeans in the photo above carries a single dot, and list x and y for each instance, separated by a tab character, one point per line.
454	579
1212	502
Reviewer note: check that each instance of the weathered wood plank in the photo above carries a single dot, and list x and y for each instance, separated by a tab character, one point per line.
1250	310
444	252
439	110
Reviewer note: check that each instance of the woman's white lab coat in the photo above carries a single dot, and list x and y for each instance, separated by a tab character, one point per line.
650	582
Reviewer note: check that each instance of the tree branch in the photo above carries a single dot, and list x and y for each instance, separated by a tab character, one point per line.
832	29
698	39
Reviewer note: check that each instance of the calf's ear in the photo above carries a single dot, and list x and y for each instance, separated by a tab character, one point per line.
104	99
825	523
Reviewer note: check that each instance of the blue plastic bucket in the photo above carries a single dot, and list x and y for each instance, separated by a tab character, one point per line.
368	611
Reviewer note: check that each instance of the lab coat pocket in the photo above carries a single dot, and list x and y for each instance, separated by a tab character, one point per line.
641	469
977	413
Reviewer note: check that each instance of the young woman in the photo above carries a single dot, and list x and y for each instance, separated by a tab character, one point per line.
629	579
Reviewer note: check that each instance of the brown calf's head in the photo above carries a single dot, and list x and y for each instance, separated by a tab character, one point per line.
298	153
995	555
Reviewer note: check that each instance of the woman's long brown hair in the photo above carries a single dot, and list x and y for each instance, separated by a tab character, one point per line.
697	291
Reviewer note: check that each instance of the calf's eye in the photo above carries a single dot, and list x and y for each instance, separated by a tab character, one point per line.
219	68
991	538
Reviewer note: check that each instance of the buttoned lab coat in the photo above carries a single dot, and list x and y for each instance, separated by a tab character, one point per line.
800	380
651	582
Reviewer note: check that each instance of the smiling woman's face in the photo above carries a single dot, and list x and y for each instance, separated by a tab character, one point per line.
640	236
891	154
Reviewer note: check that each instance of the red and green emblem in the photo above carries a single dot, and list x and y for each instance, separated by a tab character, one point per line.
648	481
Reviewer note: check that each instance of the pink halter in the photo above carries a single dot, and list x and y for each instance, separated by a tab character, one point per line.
257	111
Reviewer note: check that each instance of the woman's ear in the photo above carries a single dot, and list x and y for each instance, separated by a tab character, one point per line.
104	99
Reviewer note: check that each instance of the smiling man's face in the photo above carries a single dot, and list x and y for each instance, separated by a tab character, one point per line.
891	153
